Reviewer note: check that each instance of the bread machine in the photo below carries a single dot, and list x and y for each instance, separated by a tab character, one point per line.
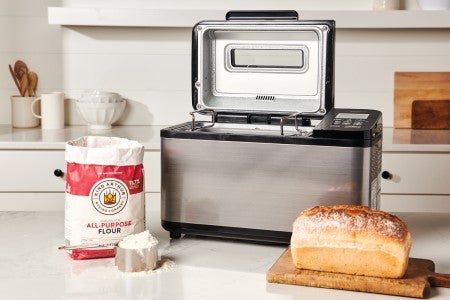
265	141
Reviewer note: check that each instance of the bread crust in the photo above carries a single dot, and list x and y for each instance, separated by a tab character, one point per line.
352	240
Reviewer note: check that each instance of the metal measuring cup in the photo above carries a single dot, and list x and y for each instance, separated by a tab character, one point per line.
136	260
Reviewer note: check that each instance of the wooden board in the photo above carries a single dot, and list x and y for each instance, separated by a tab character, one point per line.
416	282
434	114
411	86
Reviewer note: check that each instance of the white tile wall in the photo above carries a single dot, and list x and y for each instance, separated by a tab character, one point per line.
151	66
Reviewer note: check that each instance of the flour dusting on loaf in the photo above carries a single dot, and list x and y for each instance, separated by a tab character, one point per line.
355	218
352	240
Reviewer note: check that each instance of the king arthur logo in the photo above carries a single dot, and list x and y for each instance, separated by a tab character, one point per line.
109	196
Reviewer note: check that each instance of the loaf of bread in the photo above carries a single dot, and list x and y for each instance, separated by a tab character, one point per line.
352	240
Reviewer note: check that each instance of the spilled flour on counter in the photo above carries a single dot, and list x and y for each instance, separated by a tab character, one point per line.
163	265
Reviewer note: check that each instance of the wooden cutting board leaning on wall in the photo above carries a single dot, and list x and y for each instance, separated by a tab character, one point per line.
410	87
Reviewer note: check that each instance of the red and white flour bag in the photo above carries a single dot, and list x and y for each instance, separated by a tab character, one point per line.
105	197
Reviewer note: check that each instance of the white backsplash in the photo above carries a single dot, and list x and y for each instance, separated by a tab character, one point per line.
151	66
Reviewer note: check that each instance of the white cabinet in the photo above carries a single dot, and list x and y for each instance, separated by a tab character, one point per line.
416	182
33	171
29	157
28	182
417	166
416	173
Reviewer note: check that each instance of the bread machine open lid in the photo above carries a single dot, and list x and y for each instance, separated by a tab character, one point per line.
263	62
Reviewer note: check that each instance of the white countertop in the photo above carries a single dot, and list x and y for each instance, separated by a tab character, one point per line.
39	139
414	140
404	140
31	267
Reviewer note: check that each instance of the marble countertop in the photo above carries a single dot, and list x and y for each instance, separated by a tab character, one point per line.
31	266
404	140
38	139
35	138
414	140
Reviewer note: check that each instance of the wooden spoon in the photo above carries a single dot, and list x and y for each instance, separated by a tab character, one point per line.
20	68
32	84
14	78
23	85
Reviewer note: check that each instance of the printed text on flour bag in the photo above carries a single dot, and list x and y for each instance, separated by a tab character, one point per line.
109	190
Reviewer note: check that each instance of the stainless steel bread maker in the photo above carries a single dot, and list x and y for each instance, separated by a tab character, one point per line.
265	141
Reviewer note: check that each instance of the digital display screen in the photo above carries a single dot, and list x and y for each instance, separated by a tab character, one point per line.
351	116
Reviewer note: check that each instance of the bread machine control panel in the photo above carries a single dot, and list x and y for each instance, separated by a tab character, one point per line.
350	123
349	120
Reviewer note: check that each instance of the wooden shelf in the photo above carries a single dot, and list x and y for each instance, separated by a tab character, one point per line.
137	17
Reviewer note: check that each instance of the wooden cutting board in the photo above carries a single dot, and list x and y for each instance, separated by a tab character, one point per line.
430	114
416	283
412	86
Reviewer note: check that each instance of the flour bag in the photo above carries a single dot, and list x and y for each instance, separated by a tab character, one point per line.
105	196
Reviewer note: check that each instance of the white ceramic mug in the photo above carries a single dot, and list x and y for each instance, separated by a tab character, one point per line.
21	115
52	110
386	4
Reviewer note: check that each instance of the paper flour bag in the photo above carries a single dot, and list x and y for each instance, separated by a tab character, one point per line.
105	197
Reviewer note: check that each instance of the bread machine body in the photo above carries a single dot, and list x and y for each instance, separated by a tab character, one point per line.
274	144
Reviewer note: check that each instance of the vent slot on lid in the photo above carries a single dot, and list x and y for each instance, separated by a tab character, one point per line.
265	97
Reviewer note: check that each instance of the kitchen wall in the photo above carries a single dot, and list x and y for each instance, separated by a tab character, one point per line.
151	66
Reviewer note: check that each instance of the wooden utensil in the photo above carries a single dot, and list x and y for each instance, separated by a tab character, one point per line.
14	77
20	68
433	114
416	282
32	83
23	85
411	86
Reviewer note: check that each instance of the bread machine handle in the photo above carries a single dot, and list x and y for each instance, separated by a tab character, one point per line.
262	15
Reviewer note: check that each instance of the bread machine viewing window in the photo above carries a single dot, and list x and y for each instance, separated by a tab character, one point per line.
265	58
